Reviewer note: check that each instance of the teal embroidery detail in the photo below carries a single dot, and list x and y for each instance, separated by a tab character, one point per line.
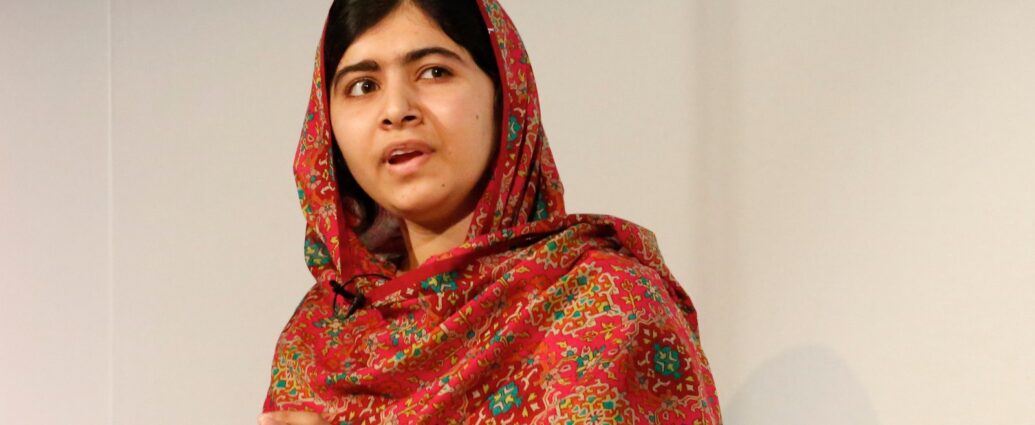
650	291
540	208
584	361
440	282
513	129
316	254
666	361
504	399
338	377
332	325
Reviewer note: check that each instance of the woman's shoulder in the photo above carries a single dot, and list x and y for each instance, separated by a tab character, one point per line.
621	325
616	280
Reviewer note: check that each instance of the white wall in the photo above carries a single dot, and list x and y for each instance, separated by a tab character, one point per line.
844	188
869	230
208	101
54	263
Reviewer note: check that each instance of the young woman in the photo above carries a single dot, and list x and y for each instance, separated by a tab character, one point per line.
451	285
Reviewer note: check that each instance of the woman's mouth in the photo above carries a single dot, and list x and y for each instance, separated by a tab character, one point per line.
408	163
403	157
406	157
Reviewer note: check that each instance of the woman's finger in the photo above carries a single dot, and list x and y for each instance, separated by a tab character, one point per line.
289	417
267	419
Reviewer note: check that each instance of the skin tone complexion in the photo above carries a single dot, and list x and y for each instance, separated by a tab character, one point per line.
413	115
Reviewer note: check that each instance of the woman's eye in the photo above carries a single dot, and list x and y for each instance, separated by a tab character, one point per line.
362	87
435	72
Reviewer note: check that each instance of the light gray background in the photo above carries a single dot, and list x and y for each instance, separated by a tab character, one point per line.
845	189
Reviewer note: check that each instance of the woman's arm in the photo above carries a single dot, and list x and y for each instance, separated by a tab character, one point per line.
290	417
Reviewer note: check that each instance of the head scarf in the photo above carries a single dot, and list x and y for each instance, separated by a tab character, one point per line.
538	316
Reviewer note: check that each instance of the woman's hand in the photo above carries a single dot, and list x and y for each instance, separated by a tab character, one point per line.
290	417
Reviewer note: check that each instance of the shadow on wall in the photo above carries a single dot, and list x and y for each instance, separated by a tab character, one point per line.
802	386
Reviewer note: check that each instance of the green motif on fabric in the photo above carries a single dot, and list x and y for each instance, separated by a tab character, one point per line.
514	128
441	282
666	361
338	377
316	254
504	399
332	325
540	208
650	291
405	330
582	362
498	337
492	7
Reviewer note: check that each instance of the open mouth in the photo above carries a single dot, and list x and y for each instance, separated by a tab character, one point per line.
404	157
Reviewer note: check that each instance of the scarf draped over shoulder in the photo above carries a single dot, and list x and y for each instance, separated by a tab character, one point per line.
540	316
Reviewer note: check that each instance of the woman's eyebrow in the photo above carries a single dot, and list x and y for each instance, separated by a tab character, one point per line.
418	54
410	57
366	65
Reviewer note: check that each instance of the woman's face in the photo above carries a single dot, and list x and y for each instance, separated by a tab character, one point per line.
413	116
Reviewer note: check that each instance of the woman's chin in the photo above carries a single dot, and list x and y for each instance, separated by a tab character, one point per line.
429	216
413	210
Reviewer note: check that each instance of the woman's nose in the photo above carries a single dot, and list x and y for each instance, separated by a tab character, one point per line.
400	107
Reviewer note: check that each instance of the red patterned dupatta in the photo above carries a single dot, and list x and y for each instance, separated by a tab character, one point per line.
538	317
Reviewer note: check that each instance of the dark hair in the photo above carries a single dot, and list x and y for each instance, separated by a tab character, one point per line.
461	20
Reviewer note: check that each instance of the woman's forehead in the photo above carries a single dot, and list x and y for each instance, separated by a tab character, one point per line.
404	30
